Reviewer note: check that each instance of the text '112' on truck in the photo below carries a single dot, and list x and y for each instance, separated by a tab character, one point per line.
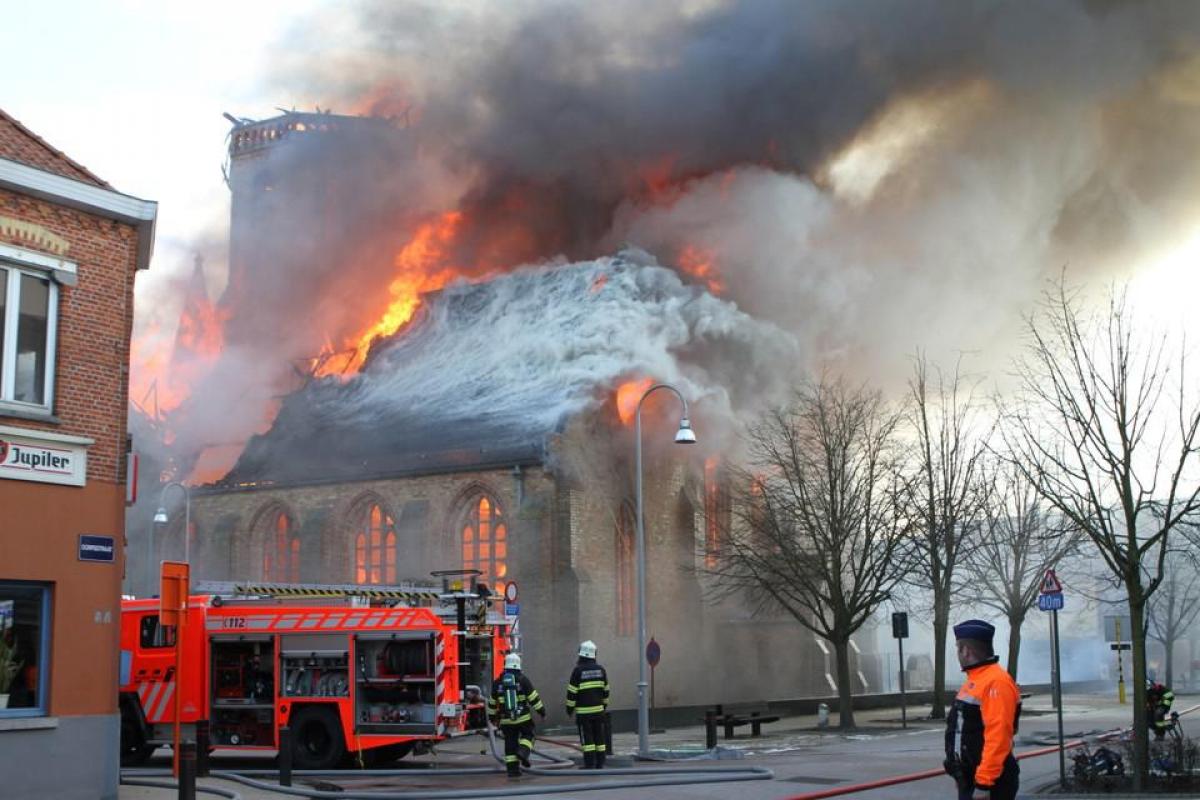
359	674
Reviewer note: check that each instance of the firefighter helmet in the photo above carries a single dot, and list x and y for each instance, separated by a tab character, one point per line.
512	661
587	649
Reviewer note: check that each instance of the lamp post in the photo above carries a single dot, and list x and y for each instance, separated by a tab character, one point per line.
684	435
161	516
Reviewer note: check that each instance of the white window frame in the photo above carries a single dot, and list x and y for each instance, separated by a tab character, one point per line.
17	261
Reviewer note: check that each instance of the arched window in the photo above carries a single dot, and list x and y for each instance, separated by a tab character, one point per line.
716	511
375	547
485	540
281	548
625	571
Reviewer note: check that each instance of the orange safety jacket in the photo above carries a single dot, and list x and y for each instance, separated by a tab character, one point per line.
983	721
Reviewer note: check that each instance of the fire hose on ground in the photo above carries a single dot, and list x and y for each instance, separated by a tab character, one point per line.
935	773
661	776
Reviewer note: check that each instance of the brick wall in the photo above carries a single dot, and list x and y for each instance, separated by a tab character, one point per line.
95	319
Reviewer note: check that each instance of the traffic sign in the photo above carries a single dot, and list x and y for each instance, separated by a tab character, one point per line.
510	592
1121	646
653	653
512	609
1050	602
1051	584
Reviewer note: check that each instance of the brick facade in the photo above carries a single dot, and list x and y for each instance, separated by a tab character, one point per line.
59	222
91	387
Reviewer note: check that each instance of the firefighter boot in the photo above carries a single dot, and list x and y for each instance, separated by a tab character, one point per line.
589	757
600	754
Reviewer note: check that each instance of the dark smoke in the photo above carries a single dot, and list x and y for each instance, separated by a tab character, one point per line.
1001	140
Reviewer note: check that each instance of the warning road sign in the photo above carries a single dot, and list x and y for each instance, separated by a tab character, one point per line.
1050	584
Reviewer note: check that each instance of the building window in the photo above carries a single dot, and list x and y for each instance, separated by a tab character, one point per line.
281	549
716	511
24	648
485	541
375	548
28	319
625	572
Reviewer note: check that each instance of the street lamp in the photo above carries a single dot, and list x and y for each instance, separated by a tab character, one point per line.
685	435
161	516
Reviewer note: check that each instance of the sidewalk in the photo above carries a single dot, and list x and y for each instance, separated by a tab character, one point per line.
803	757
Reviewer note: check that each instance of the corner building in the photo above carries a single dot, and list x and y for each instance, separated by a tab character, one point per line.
70	246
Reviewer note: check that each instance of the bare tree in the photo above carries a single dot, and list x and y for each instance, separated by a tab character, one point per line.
1097	440
815	527
1019	543
946	495
1172	610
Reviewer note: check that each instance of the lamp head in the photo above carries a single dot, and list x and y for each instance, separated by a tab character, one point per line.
161	516
685	434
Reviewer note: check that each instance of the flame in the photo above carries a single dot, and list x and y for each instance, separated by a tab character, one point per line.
420	268
164	367
700	264
629	394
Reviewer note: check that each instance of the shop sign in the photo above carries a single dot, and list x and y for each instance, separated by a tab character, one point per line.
29	458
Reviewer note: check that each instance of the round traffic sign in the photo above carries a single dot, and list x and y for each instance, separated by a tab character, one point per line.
510	591
653	653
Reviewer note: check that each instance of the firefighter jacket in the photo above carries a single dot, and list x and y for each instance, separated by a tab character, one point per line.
587	692
514	698
981	725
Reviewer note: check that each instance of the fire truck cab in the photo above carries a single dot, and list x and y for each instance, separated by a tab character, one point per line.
358	674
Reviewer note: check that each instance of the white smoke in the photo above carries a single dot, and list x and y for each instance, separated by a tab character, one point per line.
542	343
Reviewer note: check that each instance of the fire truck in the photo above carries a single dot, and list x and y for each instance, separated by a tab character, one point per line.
359	675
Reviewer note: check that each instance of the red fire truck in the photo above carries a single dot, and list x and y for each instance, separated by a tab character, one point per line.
358	674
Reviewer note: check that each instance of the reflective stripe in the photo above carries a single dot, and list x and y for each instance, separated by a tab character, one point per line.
572	688
525	742
509	722
594	685
570	704
164	702
588	748
510	759
584	710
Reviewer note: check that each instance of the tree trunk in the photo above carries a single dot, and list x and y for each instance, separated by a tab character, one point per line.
1169	657
845	687
1137	636
1014	642
941	622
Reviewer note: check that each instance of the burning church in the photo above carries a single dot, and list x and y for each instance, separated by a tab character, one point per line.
491	428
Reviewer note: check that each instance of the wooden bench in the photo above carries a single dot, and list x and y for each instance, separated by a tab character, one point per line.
737	714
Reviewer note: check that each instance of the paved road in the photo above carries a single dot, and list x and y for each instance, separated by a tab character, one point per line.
803	759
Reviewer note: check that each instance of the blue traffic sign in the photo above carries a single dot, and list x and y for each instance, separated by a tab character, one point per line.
1050	602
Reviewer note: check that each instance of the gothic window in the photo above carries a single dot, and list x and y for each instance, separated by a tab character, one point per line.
485	540
281	548
716	511
625	572
375	547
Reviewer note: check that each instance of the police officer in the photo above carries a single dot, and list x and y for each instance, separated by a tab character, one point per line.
512	704
981	725
587	699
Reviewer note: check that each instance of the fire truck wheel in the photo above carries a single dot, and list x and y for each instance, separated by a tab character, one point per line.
134	750
317	738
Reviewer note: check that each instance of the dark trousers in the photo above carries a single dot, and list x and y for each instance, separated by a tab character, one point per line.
1006	784
593	737
518	742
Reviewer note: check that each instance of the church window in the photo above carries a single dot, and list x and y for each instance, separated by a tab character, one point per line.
281	549
375	547
485	540
625	572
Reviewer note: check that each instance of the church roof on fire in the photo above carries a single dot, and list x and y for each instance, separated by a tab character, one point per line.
487	372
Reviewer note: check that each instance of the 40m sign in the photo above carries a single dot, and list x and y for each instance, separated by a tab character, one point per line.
1050	602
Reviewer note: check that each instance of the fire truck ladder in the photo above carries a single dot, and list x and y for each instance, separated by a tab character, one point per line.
233	590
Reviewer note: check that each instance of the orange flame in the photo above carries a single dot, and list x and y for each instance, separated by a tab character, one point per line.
420	268
700	264
629	394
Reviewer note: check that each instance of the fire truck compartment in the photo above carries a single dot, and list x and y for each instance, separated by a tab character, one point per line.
315	665
243	691
395	683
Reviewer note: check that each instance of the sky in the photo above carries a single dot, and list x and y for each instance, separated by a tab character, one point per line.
135	89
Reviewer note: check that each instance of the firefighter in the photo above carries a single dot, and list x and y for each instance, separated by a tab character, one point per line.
511	705
983	720
587	700
1158	705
